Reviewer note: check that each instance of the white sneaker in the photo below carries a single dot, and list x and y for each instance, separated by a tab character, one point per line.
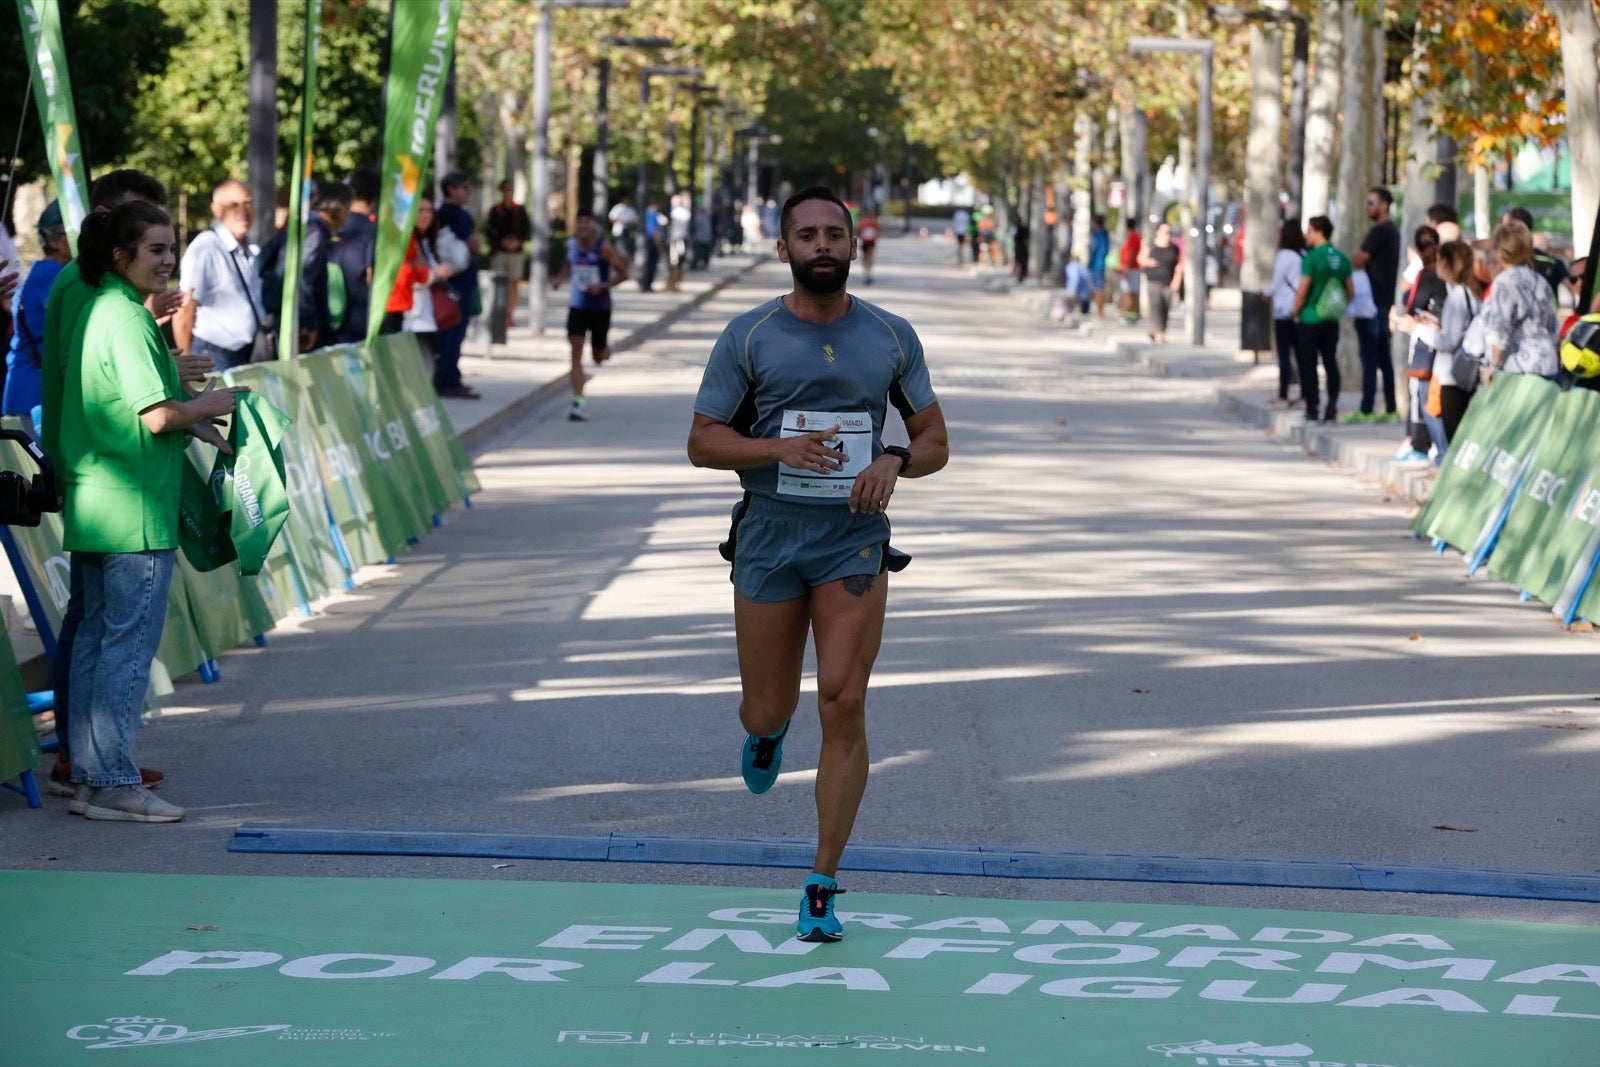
130	803
579	412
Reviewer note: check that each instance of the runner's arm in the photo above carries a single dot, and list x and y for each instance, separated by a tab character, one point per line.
930	442
1300	296
619	266
719	446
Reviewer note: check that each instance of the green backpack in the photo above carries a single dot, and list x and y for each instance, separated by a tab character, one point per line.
1331	302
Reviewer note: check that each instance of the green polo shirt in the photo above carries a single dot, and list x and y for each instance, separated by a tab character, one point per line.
1325	265
69	295
122	481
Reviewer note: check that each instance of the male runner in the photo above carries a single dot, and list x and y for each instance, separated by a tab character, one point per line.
794	398
592	269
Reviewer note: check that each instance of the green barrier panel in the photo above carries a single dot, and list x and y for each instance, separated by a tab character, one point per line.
342	428
180	651
427	449
429	415
387	443
304	564
1543	536
1492	448
342	466
19	745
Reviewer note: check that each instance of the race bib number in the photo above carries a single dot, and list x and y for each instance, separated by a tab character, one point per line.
585	276
854	439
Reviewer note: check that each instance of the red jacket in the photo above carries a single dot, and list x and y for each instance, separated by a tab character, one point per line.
414	271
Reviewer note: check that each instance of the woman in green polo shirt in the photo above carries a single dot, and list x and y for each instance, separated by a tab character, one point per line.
123	417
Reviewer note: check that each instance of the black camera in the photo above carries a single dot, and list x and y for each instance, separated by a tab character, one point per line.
23	501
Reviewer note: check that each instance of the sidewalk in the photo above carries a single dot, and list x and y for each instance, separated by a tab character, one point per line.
1246	384
519	375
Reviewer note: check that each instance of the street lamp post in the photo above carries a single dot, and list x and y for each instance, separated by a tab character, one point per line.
601	189
1196	275
641	179
539	186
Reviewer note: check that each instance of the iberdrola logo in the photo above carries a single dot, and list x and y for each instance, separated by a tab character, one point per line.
405	190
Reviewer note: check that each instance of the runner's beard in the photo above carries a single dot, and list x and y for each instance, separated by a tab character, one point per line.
821	284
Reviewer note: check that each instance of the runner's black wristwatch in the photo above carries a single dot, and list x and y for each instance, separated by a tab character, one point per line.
903	453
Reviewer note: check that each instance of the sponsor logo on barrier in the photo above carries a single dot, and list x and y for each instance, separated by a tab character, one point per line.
140	1031
58	579
1250	1054
602	1037
426	420
878	1042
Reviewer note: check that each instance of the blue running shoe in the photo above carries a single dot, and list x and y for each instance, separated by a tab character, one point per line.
762	759
817	921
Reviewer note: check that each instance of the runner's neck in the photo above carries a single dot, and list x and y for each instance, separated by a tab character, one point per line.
809	307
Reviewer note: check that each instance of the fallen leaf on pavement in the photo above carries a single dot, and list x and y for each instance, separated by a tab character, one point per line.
1414	637
1582	627
1457	829
501	866
942	893
1561	726
47	857
208	929
1141	690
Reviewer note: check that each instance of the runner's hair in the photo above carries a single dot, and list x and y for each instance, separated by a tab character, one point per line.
812	192
104	232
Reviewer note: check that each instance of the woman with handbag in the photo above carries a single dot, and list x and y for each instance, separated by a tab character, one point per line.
1455	370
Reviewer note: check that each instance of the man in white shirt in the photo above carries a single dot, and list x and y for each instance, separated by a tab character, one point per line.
624	225
223	310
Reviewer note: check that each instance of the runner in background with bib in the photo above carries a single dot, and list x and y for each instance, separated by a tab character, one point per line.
794	398
592	269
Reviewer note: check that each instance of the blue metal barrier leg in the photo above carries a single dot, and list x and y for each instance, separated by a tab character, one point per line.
28	788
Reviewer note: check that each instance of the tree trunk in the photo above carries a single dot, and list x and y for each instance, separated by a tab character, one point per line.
263	135
1038	247
1419	179
1360	154
1262	156
1082	181
444	134
1580	65
1482	184
1322	111
1063	227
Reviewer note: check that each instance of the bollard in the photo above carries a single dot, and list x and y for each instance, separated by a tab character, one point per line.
498	310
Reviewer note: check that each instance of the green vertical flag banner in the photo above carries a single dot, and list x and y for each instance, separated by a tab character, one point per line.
421	40
52	88
300	192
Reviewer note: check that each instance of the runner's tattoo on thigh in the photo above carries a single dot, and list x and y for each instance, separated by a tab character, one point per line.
859	584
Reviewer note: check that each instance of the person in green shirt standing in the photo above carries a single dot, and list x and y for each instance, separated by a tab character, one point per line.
123	414
69	298
1325	291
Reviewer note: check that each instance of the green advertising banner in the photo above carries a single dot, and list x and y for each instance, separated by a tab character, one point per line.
52	89
300	191
421	38
388	445
19	744
1486	461
177	970
1544	535
428	416
327	407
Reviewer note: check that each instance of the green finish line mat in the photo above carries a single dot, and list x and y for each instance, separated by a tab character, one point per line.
169	970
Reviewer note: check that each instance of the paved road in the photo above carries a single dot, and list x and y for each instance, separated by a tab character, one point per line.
1132	625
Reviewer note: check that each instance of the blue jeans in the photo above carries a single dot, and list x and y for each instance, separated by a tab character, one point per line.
1376	360
222	358
125	609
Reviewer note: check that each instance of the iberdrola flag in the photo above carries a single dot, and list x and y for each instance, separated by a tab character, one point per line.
421	40
299	192
41	36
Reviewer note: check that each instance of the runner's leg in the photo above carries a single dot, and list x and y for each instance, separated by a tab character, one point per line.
848	623
772	648
576	374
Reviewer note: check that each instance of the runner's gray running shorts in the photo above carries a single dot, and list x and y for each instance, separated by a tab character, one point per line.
781	550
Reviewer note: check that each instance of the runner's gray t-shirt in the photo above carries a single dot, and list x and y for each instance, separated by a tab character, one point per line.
772	374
